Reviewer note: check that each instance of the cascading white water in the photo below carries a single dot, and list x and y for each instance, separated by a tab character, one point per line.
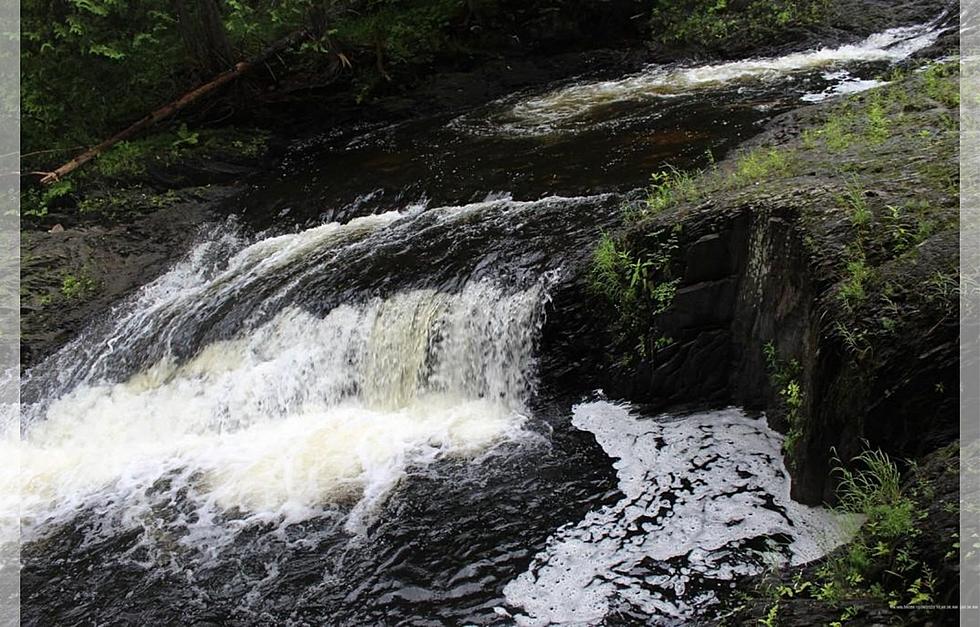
287	419
224	279
564	108
9	498
212	275
300	412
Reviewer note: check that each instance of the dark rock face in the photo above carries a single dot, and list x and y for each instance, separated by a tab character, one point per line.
766	265
747	282
106	262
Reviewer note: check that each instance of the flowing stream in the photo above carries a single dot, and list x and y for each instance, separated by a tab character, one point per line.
329	411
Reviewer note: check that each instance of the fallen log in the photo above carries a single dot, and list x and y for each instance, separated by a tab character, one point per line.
170	109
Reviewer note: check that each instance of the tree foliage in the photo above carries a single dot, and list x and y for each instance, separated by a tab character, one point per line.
724	25
92	66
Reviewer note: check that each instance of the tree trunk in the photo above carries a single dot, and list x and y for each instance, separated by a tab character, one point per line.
166	111
203	33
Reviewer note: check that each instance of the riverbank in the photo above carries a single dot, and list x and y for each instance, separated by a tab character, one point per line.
813	275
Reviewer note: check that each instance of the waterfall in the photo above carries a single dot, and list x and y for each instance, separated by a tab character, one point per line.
296	415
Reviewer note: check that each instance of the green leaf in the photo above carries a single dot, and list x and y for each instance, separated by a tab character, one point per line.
103	50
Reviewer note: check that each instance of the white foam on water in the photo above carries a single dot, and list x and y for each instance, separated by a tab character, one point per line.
842	83
698	490
564	108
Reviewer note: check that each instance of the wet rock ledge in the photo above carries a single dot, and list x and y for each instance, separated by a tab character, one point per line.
812	275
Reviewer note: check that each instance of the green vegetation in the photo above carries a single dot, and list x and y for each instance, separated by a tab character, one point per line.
35	202
877	126
117	184
909	225
405	32
639	286
835	133
853	290
724	24
670	187
754	166
939	87
785	377
853	198
608	265
870	187
874	483
874	121
760	163
857	272
882	562
941	176
76	287
91	67
843	148
772	616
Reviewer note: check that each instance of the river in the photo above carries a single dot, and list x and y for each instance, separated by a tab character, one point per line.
330	411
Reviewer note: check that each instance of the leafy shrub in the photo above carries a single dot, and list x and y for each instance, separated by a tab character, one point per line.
880	562
720	24
785	377
76	287
638	285
853	289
